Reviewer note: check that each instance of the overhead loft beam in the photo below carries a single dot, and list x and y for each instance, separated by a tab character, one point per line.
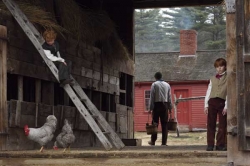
173	3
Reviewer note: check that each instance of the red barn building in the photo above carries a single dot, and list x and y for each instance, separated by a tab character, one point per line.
188	73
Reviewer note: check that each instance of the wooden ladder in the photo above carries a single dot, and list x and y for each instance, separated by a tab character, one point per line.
92	115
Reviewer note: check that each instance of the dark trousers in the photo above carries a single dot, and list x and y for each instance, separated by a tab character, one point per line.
216	106
63	70
160	111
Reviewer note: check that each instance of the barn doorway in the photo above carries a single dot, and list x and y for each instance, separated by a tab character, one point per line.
184	50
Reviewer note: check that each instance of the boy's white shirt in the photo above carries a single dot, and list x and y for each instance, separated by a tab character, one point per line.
52	57
208	94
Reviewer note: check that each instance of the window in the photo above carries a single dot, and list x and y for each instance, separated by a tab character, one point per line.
147	97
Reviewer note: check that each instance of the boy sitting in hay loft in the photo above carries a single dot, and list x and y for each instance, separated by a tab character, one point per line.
51	49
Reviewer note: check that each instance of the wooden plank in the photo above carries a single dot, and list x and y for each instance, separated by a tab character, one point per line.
111	117
247	132
113	80
43	112
130	122
190	98
246	58
240	84
123	116
12	112
96	75
18	113
69	113
87	72
81	123
3	88
28	108
22	55
122	91
29	70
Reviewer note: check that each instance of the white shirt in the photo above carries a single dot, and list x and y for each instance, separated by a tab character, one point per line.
208	94
160	92
52	57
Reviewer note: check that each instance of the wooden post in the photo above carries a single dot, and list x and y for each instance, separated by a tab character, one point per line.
20	88
38	91
231	85
20	99
238	51
38	98
3	88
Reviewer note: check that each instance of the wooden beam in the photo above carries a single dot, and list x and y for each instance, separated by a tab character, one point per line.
3	88
173	3
30	70
38	98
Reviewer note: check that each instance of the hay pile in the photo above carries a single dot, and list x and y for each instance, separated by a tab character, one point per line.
37	15
82	24
92	27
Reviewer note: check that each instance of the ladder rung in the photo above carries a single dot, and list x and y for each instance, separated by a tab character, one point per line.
94	116
84	100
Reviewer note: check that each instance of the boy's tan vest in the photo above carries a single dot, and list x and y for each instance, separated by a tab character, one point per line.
219	87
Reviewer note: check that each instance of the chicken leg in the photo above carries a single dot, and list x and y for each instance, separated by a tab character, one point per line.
41	150
66	149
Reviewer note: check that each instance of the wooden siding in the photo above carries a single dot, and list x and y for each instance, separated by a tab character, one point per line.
140	114
197	118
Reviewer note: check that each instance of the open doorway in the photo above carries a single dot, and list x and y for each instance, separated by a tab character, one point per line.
181	43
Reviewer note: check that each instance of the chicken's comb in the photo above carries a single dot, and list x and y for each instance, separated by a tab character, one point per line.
26	127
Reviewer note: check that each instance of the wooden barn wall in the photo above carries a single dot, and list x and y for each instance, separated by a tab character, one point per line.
24	60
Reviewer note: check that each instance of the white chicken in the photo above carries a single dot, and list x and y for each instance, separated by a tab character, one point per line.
44	134
66	137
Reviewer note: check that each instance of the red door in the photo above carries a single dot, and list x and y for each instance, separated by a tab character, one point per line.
182	107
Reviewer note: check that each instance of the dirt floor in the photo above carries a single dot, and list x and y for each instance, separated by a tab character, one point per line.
186	150
187	138
113	162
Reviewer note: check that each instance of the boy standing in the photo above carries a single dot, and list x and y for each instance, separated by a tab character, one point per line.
215	103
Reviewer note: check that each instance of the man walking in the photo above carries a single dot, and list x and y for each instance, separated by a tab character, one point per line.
160	103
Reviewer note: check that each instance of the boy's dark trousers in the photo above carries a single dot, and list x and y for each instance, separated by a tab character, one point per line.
160	111
216	106
63	70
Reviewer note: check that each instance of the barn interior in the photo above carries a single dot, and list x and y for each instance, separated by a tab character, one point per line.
97	37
